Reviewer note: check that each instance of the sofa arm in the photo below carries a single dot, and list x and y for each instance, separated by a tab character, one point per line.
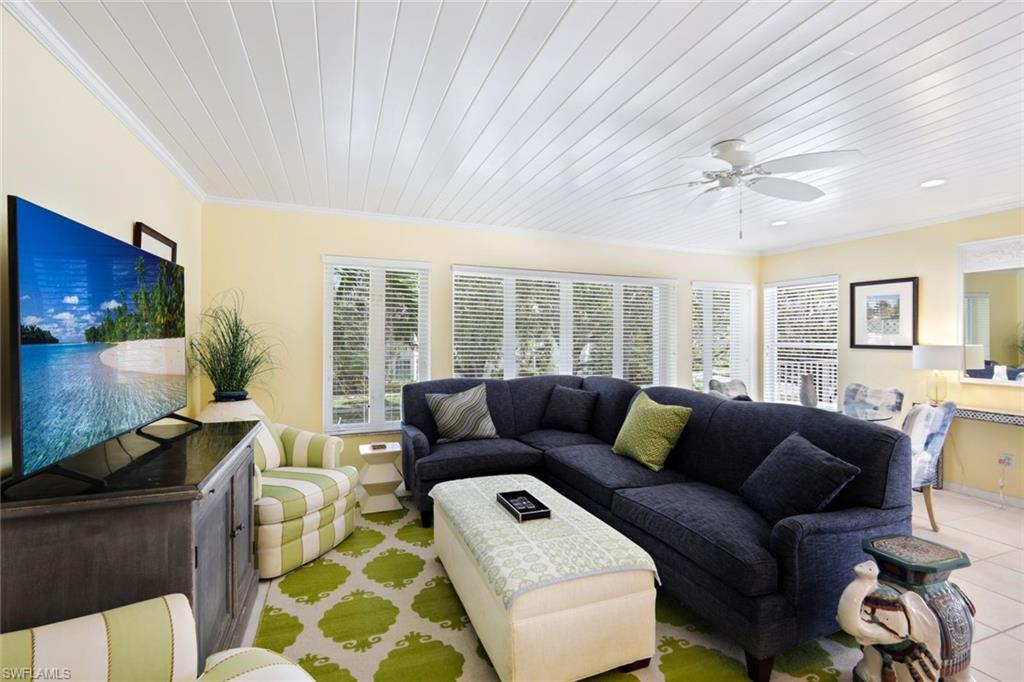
414	447
252	665
816	554
106	645
309	449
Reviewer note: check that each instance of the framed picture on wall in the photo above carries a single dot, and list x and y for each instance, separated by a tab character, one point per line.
145	237
883	314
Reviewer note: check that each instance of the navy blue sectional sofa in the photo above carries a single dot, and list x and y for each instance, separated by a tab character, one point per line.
769	587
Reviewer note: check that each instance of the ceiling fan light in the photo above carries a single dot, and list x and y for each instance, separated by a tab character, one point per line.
937	182
779	223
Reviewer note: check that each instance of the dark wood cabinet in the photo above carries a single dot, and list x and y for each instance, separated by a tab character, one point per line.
178	519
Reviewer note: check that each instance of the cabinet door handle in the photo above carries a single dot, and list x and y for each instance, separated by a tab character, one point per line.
238	529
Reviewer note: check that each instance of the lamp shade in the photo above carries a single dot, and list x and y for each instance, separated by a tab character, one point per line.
974	356
937	357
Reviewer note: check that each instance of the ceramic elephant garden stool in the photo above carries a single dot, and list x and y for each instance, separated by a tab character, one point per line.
911	622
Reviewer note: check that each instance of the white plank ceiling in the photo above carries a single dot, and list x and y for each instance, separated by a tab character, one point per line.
538	115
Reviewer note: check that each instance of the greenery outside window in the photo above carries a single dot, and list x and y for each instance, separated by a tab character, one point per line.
376	338
517	323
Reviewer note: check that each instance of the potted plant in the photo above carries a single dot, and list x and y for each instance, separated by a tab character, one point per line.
229	351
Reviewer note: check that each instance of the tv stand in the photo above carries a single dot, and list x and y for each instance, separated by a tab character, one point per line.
179	518
165	441
56	470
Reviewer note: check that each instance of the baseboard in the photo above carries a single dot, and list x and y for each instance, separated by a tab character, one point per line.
1008	500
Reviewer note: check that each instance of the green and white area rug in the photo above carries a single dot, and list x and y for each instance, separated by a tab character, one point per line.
379	607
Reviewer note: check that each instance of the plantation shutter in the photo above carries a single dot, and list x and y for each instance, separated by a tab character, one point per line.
722	329
801	336
513	323
376	340
978	322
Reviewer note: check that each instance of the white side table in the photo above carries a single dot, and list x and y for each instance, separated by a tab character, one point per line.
380	478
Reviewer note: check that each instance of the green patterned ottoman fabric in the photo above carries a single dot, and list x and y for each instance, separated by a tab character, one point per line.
292	492
650	431
379	608
519	557
462	416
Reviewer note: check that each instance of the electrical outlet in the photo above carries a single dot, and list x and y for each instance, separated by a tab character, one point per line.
1007	461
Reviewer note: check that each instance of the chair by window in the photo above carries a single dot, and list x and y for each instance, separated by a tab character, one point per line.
874	404
730	389
927	426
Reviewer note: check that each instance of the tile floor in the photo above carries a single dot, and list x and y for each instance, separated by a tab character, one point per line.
994	539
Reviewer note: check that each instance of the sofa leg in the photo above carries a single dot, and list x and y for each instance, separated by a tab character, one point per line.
759	669
635	665
427	518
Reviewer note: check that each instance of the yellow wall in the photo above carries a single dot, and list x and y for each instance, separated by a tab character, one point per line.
273	258
931	254
1005	291
63	149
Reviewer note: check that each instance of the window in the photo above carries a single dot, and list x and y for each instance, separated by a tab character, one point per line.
376	336
977	323
517	323
801	336
722	320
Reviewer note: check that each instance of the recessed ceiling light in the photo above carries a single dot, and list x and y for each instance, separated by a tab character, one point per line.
779	223
933	183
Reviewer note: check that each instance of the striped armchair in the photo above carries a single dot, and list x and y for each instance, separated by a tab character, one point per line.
305	498
149	640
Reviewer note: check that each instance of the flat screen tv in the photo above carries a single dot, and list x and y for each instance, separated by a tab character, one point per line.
98	329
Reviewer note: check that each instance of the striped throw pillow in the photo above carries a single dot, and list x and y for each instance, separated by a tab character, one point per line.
462	416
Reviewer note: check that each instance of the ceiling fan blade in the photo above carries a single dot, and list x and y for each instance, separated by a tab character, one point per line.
812	161
658	189
705	163
781	188
706	198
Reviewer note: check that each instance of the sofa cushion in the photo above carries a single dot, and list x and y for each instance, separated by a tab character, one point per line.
650	431
597	472
416	412
549	439
462	416
477	458
614	396
740	435
530	398
797	477
293	492
569	409
713	528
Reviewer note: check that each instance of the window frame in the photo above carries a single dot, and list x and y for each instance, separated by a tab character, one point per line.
376	352
664	354
754	380
768	392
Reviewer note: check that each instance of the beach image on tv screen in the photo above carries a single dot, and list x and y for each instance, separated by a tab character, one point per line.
102	336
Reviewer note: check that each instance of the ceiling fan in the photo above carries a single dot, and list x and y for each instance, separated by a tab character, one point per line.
731	166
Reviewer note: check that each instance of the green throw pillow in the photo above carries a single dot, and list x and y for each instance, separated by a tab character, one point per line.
650	431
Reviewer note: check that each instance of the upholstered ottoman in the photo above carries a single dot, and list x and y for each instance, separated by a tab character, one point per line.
550	599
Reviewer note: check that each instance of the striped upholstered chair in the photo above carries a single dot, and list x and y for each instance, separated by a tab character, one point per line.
305	500
149	640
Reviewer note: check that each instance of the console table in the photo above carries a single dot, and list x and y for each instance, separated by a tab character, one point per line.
172	518
990	415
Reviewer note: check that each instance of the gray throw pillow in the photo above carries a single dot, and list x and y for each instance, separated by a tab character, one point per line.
462	416
797	477
569	409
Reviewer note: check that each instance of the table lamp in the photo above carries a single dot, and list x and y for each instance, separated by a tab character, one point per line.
938	359
974	356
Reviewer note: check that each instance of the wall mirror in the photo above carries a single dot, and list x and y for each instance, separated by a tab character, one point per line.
991	284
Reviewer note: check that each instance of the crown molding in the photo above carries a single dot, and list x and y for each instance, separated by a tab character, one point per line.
975	212
29	16
281	207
